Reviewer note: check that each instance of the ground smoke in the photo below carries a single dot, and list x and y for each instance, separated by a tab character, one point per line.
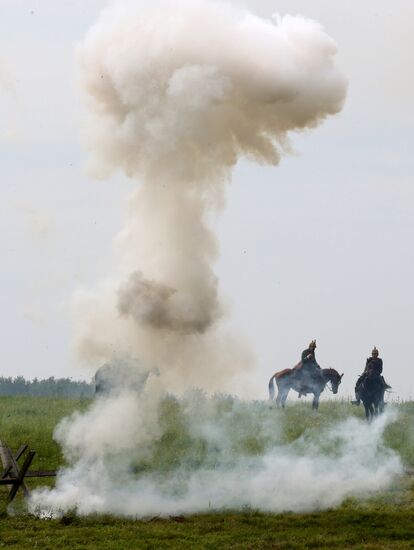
197	454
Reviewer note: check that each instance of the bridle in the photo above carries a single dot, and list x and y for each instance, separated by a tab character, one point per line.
329	381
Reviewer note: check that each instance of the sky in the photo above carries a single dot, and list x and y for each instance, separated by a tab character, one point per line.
319	247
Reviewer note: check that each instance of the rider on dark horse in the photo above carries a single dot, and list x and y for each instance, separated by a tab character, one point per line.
373	368
308	365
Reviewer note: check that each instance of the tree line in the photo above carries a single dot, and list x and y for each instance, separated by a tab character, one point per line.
49	387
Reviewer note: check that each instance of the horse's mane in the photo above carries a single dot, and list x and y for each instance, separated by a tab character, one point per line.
330	370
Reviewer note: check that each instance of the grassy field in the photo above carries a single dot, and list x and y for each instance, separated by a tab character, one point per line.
383	521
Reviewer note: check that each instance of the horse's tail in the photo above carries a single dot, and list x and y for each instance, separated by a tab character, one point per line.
272	387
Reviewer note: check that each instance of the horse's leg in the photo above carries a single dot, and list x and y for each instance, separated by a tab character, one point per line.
278	397
283	390
315	402
367	411
279	386
280	393
284	396
381	403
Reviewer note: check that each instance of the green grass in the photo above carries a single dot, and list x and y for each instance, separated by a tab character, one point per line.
32	420
383	521
347	527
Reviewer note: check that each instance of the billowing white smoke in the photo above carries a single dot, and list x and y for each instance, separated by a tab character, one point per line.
178	92
203	453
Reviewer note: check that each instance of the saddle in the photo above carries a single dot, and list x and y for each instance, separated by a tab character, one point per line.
372	375
305	371
298	366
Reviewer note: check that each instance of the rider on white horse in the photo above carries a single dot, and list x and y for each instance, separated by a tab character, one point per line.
308	356
308	364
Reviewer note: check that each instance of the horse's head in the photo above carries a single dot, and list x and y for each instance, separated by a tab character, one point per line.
334	378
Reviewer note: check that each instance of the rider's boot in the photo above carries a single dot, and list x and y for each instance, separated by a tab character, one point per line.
386	386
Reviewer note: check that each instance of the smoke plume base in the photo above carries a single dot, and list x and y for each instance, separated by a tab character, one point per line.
198	453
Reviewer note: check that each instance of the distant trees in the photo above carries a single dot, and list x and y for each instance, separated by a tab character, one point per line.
49	387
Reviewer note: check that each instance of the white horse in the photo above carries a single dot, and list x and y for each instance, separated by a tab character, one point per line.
303	382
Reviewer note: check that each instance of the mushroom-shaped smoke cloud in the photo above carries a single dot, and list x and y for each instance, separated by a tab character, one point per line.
178	92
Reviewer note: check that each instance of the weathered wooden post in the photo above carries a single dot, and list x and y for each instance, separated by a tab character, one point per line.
14	475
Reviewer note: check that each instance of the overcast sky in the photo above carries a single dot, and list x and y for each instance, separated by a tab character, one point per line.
318	247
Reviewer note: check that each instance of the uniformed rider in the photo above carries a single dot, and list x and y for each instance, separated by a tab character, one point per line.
373	367
308	357
308	363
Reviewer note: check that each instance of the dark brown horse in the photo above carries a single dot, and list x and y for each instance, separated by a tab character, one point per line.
303	382
372	392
